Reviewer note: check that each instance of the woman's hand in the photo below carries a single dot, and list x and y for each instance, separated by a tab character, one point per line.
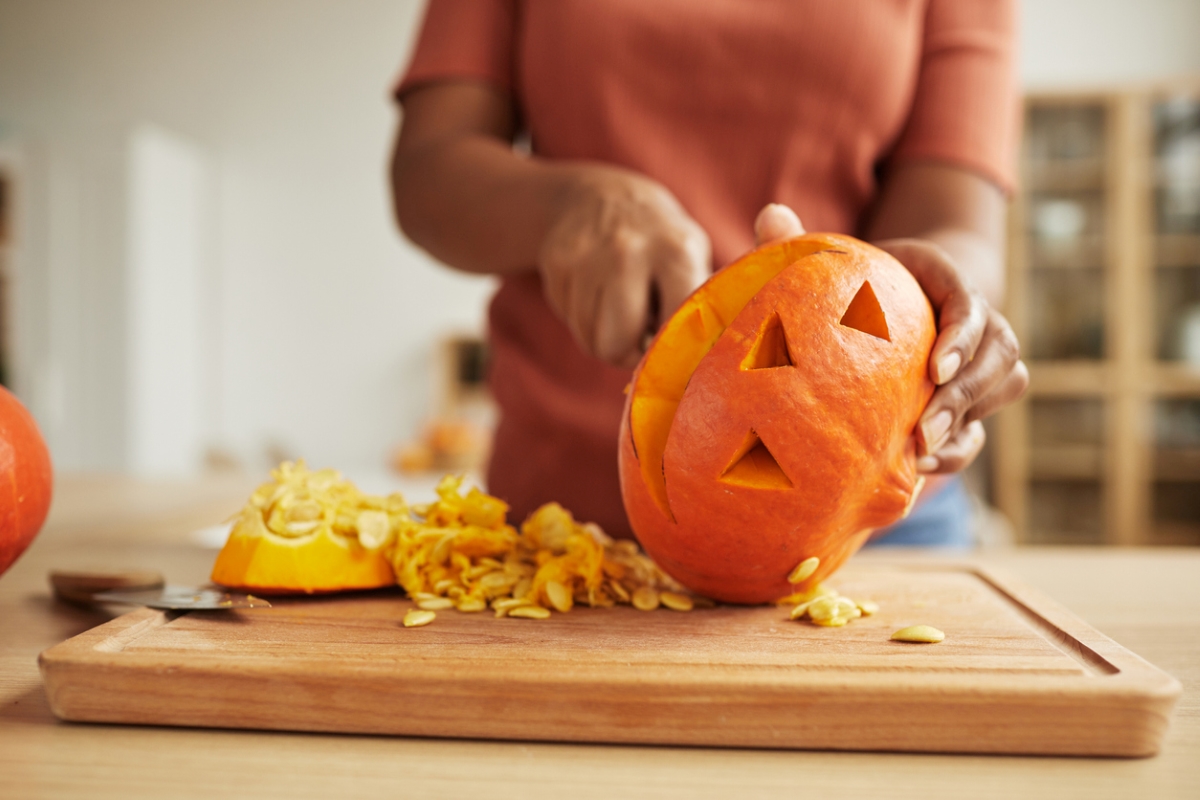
975	360
618	240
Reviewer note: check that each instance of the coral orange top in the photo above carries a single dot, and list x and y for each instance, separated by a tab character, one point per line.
731	105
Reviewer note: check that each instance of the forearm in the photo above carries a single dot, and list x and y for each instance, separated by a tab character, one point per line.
980	259
954	209
474	204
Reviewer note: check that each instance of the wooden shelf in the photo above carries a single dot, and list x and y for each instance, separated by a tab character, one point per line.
1175	534
1175	379
1066	462
1177	250
1177	465
1065	176
1115	485
1068	378
1086	252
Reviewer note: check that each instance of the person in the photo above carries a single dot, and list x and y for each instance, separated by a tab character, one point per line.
602	159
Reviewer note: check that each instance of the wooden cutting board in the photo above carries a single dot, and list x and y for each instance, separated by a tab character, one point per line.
1015	674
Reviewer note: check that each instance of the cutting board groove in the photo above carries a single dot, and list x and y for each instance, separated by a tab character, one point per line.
1016	674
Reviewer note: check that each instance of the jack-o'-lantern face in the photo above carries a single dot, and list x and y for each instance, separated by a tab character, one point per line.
771	420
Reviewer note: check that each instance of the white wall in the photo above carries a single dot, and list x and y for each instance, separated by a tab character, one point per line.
319	321
323	319
168	243
1099	43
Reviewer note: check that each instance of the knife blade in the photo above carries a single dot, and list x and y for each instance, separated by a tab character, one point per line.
145	588
184	598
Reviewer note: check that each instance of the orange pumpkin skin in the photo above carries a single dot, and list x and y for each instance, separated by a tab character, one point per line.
26	479
792	436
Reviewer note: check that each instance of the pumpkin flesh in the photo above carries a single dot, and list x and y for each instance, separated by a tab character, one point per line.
308	532
256	560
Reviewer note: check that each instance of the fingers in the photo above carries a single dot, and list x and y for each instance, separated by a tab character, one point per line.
680	269
995	377
962	313
584	294
1009	390
958	453
620	321
775	222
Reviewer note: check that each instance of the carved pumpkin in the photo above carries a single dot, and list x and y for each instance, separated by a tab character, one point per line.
771	419
27	479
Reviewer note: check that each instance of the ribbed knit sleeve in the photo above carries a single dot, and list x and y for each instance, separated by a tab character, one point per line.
463	39
966	108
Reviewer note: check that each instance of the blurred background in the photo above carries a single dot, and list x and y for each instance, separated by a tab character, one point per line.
199	272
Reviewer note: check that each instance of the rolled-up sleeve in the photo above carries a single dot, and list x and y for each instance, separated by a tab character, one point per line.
463	40
966	110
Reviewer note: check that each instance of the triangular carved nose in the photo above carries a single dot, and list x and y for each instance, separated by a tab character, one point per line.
754	466
770	350
864	314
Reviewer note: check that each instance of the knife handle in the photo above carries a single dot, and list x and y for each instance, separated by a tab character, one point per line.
79	588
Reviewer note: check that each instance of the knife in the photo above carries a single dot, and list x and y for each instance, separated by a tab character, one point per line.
145	589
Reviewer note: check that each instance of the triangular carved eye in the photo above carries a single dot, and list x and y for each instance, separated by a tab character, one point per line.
864	314
754	466
770	350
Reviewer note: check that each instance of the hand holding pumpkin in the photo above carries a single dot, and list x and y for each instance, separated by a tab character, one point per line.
976	358
617	238
975	361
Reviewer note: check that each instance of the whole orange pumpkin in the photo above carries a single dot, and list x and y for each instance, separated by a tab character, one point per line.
25	479
771	419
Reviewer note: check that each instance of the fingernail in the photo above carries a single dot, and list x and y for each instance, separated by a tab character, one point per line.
935	430
927	463
947	367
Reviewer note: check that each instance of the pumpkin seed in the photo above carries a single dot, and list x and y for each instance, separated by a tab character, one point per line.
416	618
559	596
530	612
646	598
868	607
472	603
804	570
923	634
617	590
522	588
676	601
801	610
435	604
506	603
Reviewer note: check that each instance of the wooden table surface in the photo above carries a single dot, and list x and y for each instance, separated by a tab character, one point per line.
1148	600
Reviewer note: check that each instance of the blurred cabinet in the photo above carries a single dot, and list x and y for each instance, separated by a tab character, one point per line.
1104	293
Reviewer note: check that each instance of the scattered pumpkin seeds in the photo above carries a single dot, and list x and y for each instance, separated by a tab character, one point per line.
868	607
924	634
415	618
825	607
458	552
